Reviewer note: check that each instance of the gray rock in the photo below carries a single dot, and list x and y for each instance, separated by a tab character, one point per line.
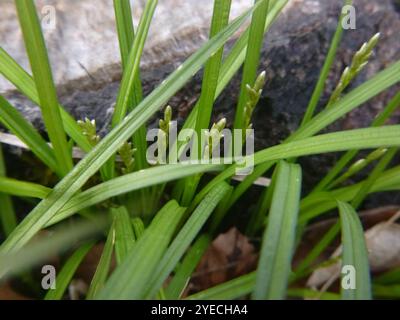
84	55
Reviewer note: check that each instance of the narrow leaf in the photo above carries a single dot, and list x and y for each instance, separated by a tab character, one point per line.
354	254
185	236
278	241
15	122
64	277
330	58
12	71
103	267
129	182
39	61
124	236
233	289
131	278
22	188
133	62
8	217
255	42
183	273
71	184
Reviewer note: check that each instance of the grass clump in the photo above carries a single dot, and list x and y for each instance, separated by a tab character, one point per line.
159	219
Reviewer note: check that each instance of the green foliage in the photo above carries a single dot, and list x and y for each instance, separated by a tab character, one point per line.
157	250
66	274
354	253
8	216
126	152
88	128
40	65
360	60
254	94
279	237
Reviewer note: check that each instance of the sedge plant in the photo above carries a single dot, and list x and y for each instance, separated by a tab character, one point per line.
157	220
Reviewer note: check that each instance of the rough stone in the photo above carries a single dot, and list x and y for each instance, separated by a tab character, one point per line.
84	55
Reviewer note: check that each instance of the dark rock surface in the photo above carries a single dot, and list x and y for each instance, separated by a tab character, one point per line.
293	54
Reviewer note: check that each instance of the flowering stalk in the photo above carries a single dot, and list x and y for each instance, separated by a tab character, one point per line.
126	152
88	128
163	133
359	165
360	60
213	137
254	95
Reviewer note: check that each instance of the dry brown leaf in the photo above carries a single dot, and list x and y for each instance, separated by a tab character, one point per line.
316	231
383	245
230	255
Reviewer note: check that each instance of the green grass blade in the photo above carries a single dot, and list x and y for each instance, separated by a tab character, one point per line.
243	285
26	85
391	107
279	238
130	279
373	176
22	188
208	90
248	182
388	181
133	62
354	253
126	36
130	182
388	277
348	156
212	68
125	30
124	236
219	215
325	241
369	89
234	60
138	227
111	143
335	171
14	73
103	267
257	219
188	265
7	215
309	294
251	63
64	277
358	96
386	292
230	290
320	202
39	61
185	237
15	122
55	243
319	88
367	138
